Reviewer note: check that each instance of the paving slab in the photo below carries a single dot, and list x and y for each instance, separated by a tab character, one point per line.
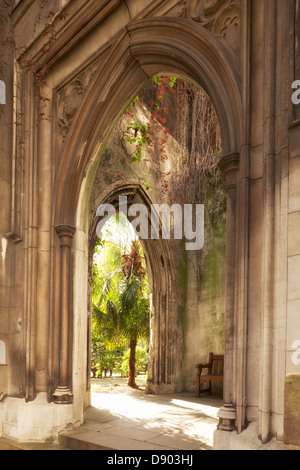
177	441
131	433
137	421
92	440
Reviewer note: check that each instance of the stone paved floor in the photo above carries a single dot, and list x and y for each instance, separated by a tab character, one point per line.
136	421
124	419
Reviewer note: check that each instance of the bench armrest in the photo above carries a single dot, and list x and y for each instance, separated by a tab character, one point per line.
203	366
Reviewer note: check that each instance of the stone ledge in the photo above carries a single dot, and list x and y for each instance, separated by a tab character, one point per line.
23	421
247	440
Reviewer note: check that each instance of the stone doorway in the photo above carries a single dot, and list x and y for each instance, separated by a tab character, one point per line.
84	149
175	275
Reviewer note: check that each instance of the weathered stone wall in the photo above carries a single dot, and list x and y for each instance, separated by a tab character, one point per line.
10	281
292	390
199	276
292	409
204	324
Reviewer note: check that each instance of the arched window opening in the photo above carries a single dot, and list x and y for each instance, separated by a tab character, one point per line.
120	306
168	143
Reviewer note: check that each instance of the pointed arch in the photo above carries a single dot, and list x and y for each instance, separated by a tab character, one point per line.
145	48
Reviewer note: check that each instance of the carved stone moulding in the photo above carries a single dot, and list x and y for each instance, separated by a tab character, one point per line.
13	236
71	96
63	396
204	10
229	166
221	17
69	100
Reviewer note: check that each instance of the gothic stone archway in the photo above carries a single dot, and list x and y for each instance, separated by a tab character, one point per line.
245	55
128	64
88	91
166	338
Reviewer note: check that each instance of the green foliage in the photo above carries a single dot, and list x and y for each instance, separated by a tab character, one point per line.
131	104
147	185
134	310
120	299
141	134
138	134
104	358
141	360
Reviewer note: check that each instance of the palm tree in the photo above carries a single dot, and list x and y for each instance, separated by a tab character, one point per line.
134	304
122	309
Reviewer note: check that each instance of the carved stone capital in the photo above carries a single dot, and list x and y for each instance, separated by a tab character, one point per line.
65	230
229	166
65	233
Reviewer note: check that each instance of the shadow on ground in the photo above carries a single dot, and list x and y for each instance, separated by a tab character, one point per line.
122	418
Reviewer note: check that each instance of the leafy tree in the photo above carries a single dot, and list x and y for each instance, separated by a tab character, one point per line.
121	299
141	360
134	304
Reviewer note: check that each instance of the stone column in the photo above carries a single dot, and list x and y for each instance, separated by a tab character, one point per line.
63	393
229	166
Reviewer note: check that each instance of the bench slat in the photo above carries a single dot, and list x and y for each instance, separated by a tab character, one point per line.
215	372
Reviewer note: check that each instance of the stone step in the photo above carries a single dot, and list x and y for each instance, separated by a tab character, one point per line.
85	440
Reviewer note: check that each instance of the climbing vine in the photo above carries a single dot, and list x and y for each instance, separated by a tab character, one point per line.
179	110
141	134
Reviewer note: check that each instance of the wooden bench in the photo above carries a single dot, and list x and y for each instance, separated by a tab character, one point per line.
215	372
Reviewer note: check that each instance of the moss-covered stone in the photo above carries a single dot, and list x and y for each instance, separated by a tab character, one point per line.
292	410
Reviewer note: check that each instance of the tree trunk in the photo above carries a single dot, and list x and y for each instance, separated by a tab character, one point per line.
131	378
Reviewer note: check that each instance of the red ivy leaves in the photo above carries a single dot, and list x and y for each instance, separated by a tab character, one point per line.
158	119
